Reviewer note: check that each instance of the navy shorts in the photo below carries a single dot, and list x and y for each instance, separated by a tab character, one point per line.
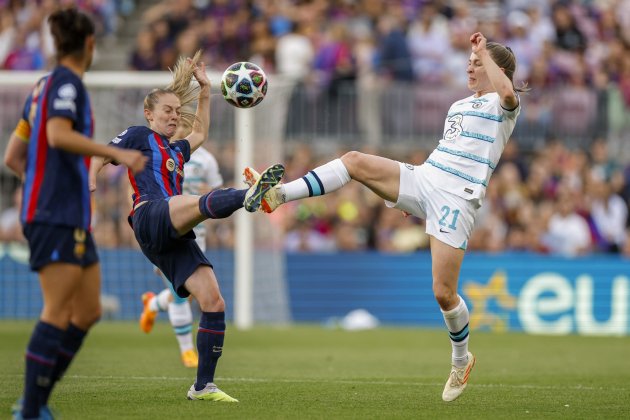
51	244
176	256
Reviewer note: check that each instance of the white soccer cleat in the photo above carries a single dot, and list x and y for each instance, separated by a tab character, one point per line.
272	199
209	393
457	380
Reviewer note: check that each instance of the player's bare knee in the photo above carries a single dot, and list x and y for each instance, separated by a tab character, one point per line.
445	296
209	303
87	318
353	163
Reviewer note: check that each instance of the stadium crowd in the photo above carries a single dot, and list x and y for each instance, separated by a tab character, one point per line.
555	198
556	201
330	41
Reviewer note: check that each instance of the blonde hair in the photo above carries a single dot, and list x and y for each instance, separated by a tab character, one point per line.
181	87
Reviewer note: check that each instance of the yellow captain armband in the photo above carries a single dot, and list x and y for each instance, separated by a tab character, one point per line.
23	130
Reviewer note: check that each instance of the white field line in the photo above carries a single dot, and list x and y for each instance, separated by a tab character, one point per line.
331	381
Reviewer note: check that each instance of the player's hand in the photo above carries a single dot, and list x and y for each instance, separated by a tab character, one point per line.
132	159
199	71
405	213
478	42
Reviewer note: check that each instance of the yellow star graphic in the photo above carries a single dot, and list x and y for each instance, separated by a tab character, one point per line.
480	294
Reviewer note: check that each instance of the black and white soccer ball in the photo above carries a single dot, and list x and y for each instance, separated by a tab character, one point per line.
244	84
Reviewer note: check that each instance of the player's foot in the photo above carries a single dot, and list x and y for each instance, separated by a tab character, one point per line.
190	358
267	180
45	413
271	200
209	393
147	319
457	380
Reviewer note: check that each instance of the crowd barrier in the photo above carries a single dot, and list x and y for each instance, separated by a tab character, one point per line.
505	292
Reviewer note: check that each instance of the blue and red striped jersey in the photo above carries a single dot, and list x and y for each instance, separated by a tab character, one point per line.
56	189
164	173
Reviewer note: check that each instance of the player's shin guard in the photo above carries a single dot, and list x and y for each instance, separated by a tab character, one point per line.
180	316
70	345
457	323
219	204
41	357
209	345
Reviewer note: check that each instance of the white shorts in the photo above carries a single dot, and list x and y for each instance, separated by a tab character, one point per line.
449	217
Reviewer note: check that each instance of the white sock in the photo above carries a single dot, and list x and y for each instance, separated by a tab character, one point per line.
321	180
159	303
180	316
457	323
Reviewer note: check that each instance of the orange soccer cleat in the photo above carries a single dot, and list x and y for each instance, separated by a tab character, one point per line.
190	358
147	319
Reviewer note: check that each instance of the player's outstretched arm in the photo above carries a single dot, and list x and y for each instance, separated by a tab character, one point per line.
15	155
500	82
201	125
61	135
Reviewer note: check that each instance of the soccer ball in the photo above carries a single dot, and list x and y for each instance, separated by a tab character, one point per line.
244	84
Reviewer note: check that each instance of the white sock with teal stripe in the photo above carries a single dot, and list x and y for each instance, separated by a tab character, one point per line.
457	323
159	302
321	180
180	316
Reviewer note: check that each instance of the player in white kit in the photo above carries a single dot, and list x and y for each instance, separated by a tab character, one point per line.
446	191
201	175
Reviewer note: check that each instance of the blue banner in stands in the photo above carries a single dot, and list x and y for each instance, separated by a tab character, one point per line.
505	292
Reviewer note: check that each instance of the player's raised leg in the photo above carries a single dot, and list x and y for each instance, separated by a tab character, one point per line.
203	285
187	211
446	262
380	174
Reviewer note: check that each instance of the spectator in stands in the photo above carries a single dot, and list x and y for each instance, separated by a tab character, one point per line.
568	233
609	213
429	42
145	56
294	53
24	55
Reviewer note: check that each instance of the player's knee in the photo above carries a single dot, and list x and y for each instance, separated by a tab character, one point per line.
352	161
445	296
209	303
87	318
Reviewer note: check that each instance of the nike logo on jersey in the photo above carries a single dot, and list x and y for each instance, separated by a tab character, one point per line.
444	231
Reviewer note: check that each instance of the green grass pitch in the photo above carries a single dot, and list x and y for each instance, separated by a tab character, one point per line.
307	372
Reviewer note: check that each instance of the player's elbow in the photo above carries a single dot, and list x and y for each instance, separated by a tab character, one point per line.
53	138
509	100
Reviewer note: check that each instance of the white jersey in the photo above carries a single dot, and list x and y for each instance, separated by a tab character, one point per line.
201	175
475	132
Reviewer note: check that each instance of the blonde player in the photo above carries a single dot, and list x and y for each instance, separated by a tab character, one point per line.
201	175
447	190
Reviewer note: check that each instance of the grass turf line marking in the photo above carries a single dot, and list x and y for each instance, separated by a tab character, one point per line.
331	381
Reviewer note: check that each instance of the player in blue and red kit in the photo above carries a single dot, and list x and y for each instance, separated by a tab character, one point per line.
162	218
50	151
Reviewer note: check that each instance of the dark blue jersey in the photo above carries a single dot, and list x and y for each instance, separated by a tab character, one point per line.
164	173
56	187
